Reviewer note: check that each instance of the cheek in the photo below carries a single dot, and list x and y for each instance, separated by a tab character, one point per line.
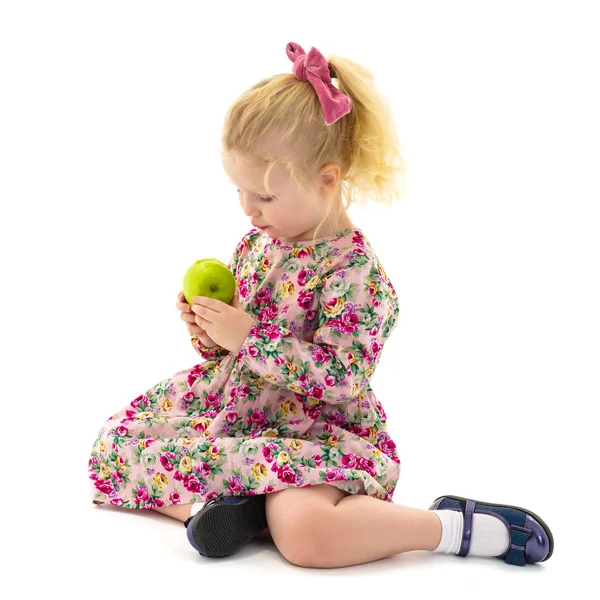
280	215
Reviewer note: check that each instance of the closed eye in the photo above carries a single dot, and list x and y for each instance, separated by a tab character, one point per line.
266	199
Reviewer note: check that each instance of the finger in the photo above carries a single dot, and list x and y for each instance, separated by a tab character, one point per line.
188	317
206	327
209	303
182	299
206	341
183	307
194	329
204	324
198	330
207	315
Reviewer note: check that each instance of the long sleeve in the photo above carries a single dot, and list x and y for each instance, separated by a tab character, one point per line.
205	352
218	351
357	309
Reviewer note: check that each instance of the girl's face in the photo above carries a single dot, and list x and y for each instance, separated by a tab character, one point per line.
290	214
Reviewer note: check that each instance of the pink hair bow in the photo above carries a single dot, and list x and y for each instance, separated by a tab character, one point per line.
313	67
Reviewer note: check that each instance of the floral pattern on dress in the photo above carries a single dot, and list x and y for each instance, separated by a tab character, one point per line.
293	408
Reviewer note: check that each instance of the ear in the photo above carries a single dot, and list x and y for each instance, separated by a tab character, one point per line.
330	176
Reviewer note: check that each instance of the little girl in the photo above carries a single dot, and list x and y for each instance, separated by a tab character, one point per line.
278	430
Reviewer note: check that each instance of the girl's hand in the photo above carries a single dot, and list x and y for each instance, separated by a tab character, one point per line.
190	321
227	324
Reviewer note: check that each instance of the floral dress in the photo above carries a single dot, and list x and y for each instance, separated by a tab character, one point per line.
293	408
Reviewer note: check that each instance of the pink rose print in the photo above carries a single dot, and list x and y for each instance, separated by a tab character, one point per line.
305	275
349	323
305	298
263	295
168	461
286	474
235	485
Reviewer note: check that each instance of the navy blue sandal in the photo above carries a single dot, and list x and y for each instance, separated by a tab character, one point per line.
225	524
531	540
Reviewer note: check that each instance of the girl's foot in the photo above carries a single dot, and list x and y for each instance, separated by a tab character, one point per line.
224	525
525	538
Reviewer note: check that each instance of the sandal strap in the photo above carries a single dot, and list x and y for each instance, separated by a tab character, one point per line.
515	555
467	528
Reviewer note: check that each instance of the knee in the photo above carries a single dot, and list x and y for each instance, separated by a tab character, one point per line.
302	537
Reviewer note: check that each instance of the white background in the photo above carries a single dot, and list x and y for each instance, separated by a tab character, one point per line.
111	186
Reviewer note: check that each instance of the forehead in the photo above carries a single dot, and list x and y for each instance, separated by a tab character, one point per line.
249	174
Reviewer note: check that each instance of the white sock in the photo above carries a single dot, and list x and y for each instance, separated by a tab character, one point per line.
489	535
196	507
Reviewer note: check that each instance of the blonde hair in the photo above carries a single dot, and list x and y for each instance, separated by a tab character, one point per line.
284	113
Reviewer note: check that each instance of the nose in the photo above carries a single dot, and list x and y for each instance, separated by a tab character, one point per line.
248	207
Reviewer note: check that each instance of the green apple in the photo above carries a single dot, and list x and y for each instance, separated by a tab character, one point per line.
211	278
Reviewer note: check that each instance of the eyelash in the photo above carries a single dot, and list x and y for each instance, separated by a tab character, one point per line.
267	199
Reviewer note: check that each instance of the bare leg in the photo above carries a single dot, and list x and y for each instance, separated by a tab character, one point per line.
332	528
181	512
367	529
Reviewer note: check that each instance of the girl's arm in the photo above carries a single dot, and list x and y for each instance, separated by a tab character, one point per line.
357	311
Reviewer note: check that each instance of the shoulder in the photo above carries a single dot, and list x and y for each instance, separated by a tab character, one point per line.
356	266
351	256
248	242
